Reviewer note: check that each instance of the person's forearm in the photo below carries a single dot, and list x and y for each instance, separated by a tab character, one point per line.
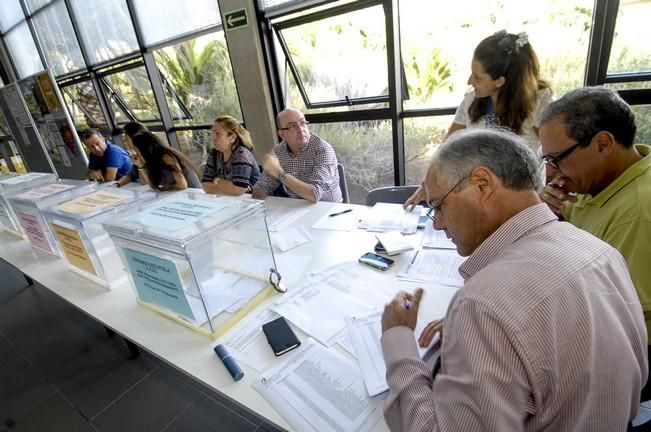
223	186
300	188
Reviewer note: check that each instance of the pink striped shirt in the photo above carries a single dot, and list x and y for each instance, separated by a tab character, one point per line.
547	334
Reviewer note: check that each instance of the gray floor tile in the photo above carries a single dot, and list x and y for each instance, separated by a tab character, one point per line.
53	414
20	391
99	376
10	360
206	414
150	406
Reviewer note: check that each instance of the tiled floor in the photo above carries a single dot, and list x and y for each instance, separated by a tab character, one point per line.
60	371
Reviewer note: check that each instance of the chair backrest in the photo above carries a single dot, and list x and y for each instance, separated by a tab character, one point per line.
390	194
343	185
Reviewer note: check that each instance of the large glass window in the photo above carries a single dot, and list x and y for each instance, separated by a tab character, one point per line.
365	149
10	14
83	105
422	136
161	20
199	80
34	5
131	96
58	39
643	121
438	43
23	51
340	59
195	144
630	51
106	28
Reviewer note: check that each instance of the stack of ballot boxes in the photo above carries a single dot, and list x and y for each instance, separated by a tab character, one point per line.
86	247
11	185
28	207
203	260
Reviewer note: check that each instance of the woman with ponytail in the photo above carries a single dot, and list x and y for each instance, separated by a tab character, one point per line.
507	91
231	168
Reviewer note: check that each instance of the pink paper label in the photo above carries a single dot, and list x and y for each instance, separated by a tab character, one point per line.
34	231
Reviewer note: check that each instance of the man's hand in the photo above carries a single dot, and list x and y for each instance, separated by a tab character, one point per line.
271	165
429	331
415	198
554	194
95	175
402	311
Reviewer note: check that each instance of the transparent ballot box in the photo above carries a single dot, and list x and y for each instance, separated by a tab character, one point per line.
28	207
203	260
85	245
11	185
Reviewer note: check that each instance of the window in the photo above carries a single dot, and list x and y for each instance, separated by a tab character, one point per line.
438	43
630	52
23	51
422	136
198	79
131	96
34	5
106	28
55	33
331	59
643	121
83	105
365	148
195	144
161	20
10	14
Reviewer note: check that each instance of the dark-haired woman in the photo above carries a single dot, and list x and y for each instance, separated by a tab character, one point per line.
507	91
162	167
130	130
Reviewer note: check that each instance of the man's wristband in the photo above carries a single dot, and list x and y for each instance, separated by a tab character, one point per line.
282	177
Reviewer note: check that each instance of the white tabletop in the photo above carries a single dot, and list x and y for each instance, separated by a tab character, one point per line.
181	347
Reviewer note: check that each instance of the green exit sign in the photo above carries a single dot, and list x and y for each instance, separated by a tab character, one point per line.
236	19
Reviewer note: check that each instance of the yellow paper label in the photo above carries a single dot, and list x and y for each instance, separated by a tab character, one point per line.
74	248
91	202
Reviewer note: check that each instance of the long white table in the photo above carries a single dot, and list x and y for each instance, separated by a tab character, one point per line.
181	347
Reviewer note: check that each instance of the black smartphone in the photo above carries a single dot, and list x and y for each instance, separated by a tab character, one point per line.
376	261
280	336
379	248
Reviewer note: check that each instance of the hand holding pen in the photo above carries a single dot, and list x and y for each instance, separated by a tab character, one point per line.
402	311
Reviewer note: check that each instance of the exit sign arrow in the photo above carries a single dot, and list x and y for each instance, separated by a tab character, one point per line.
236	19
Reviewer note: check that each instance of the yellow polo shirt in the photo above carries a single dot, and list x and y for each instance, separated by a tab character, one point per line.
620	215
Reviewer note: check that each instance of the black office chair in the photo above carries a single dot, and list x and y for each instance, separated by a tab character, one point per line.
343	184
390	194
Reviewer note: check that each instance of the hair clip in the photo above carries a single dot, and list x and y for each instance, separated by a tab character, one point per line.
522	40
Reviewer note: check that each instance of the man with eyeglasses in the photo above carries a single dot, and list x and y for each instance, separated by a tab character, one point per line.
599	180
547	333
304	163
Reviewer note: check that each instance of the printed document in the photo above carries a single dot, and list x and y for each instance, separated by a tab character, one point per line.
342	217
392	217
435	239
320	390
247	342
349	286
434	265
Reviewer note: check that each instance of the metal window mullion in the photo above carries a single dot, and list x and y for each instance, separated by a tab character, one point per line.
292	68
604	19
270	62
395	88
159	96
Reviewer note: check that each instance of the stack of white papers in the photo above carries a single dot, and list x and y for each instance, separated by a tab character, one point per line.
320	390
394	242
436	239
392	217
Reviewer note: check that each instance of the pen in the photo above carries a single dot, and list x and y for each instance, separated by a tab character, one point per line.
341	212
407	304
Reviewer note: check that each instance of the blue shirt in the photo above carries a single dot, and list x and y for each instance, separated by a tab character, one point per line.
114	157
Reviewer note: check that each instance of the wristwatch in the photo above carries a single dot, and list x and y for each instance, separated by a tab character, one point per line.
282	177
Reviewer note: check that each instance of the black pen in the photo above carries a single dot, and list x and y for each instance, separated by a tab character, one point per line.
341	212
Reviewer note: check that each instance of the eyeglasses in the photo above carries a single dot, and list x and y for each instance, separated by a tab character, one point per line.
437	206
553	161
293	127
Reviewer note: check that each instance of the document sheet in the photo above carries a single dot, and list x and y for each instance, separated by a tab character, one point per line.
247	343
436	239
392	217
434	265
320	390
345	217
346	289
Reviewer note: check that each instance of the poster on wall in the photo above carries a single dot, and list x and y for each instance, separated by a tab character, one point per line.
53	124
